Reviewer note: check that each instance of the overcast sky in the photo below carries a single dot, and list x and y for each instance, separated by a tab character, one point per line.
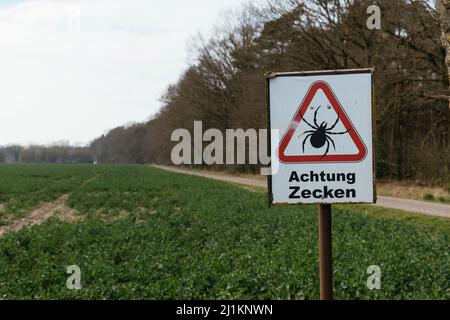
70	70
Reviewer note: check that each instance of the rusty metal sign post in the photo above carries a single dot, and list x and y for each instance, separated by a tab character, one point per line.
325	252
324	151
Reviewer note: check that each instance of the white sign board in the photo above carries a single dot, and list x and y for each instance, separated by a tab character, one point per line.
325	123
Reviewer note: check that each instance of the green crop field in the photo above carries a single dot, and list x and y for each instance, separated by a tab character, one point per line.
149	234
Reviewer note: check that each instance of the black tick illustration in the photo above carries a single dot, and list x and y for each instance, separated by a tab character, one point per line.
321	134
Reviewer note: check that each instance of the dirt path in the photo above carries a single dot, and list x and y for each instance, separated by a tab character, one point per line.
42	213
45	211
429	208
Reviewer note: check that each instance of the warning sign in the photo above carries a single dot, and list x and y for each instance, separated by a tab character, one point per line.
324	120
321	130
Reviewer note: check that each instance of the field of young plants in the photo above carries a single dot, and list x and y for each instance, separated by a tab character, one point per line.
142	233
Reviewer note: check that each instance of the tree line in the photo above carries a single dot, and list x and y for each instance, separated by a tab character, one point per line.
225	85
58	153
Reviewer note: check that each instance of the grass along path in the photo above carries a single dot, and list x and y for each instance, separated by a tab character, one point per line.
394	189
429	208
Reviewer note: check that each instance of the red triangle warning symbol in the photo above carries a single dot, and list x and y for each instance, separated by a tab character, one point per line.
321	135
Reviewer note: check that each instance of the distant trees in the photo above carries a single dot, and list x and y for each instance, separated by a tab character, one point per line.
225	86
120	145
46	154
10	154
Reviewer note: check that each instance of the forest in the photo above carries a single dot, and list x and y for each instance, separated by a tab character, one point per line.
224	86
224	83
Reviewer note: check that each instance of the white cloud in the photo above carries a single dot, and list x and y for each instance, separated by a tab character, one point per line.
73	69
